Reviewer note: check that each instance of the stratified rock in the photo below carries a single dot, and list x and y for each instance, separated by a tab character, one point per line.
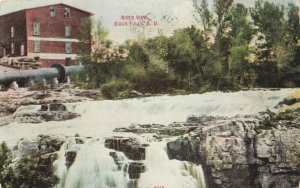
135	169
41	116
38	146
129	146
70	158
174	129
201	119
243	152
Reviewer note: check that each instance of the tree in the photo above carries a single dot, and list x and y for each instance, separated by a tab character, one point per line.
202	9
277	53
84	35
269	19
5	162
223	9
188	55
240	71
293	23
102	59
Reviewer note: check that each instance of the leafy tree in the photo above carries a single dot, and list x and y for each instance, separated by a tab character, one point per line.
5	161
223	9
293	23
269	19
184	55
204	14
240	70
84	35
102	59
28	172
278	53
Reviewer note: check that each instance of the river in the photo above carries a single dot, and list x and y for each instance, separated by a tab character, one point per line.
95	168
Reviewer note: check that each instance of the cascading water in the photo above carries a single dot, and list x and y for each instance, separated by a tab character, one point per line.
162	172
94	167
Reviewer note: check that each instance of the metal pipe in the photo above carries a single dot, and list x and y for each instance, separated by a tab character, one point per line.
58	71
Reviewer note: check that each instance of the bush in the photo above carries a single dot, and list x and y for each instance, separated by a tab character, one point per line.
28	172
158	80
152	79
5	161
112	88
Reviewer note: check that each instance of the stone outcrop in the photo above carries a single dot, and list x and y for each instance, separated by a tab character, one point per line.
243	152
131	147
43	147
11	100
46	112
174	129
52	104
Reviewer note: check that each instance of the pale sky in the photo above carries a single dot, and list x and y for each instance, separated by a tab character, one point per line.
169	14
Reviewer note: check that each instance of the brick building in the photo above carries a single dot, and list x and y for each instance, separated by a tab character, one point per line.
49	33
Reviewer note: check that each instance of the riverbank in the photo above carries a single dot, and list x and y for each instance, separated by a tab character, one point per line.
50	99
138	137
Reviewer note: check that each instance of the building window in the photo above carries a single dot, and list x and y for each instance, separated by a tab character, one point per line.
68	47
12	31
68	31
22	49
12	46
68	61
36	28
4	52
36	46
67	12
52	11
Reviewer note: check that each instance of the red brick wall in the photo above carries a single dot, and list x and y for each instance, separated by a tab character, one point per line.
54	26
50	27
52	47
18	21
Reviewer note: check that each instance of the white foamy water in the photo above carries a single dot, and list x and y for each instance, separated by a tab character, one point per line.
95	168
162	172
99	118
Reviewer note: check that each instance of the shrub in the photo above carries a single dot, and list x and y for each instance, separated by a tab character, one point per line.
112	88
27	172
5	161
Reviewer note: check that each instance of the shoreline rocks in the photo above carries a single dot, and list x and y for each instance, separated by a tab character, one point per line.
51	102
244	152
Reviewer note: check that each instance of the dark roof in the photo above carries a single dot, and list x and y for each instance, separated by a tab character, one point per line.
91	14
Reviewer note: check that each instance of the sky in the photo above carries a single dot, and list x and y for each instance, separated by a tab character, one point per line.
165	15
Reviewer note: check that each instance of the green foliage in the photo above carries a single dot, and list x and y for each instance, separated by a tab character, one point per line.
269	18
84	35
112	88
5	161
236	48
28	172
202	9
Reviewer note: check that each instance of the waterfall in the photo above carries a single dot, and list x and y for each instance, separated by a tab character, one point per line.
93	167
99	118
162	172
96	166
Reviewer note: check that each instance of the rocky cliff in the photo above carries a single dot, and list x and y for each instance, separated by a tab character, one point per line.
261	151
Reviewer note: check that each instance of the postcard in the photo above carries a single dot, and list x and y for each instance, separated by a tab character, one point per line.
149	94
